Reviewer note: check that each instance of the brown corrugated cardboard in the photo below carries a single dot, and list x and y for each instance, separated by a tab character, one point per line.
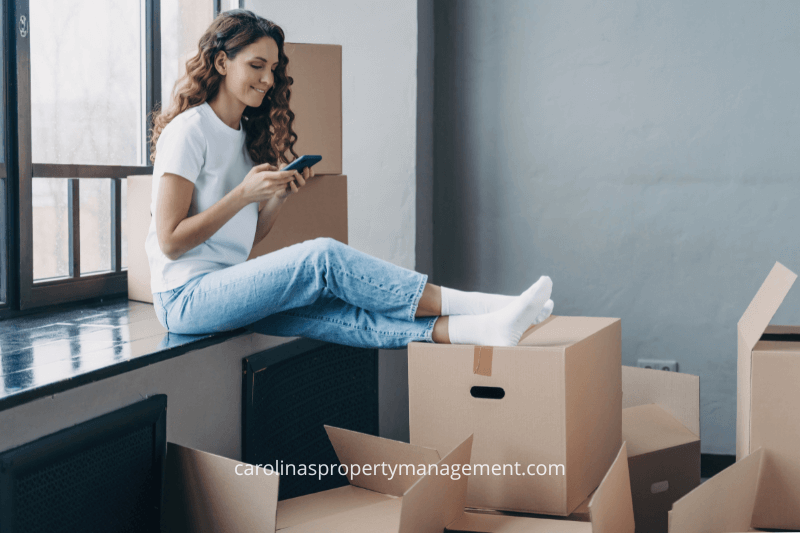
723	503
316	100
204	493
412	503
610	511
561	405
768	400
661	424
319	209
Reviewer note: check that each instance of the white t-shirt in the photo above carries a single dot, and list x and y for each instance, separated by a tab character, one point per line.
198	146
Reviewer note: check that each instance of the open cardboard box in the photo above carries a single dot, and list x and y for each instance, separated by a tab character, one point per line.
204	493
319	209
768	402
610	511
661	424
554	399
724	503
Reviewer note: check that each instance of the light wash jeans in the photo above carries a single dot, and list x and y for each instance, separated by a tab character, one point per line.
320	289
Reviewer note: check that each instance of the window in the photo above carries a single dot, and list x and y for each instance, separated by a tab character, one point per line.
80	81
87	78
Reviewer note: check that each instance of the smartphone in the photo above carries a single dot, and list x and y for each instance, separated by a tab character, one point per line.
302	162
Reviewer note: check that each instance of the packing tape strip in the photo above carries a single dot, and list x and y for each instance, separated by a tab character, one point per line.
482	364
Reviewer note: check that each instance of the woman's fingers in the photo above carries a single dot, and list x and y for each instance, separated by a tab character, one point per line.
293	186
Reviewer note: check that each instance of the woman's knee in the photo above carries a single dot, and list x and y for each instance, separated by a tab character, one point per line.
324	247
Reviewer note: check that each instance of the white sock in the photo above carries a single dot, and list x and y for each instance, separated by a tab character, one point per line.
506	326
545	313
455	302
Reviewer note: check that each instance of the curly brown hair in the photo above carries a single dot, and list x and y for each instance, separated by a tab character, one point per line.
268	127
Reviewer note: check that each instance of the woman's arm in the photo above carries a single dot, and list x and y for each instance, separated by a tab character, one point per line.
177	233
268	210
267	214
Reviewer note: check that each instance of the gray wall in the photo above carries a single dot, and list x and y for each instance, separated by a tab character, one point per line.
644	154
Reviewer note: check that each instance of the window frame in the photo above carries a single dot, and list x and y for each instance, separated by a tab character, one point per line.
27	293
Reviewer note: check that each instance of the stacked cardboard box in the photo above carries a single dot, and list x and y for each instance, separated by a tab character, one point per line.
205	492
610	511
554	399
319	209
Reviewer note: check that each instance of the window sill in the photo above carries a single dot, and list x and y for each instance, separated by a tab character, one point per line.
51	352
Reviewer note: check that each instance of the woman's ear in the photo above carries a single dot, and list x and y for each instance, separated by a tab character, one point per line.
220	62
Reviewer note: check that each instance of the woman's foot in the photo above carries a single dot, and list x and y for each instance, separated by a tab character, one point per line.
505	326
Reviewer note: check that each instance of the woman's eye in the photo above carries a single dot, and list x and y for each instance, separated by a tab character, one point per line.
257	67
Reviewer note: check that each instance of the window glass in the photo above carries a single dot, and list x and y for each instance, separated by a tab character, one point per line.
182	24
50	228
86	82
95	200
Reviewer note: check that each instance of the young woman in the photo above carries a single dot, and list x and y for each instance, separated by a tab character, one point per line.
217	189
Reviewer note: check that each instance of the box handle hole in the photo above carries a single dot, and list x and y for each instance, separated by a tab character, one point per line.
489	393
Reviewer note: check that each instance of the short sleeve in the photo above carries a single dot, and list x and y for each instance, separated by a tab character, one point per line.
181	149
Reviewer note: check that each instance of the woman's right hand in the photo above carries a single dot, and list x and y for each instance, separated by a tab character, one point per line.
264	182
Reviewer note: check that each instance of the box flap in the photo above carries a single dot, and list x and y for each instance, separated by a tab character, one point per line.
437	499
749	330
649	428
723	503
676	393
611	507
380	517
202	492
326	503
353	448
500	523
562	331
765	304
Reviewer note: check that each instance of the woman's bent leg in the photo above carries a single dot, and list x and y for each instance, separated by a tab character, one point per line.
334	320
293	277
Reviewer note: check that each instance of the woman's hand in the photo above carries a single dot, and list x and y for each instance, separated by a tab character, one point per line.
265	182
299	181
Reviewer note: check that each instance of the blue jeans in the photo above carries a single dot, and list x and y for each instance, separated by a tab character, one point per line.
320	289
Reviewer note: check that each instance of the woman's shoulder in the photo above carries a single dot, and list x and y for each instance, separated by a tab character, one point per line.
186	125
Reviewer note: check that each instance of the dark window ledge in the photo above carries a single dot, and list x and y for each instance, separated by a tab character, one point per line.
50	352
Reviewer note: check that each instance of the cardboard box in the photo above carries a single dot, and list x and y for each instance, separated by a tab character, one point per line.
768	401
661	424
554	399
610	510
319	209
316	100
204	493
723	503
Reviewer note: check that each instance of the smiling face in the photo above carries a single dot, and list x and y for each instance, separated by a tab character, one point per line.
250	74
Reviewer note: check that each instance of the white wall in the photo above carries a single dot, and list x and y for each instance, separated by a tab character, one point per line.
379	78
